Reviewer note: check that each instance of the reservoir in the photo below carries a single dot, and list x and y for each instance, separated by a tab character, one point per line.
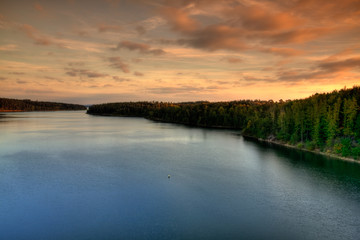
69	175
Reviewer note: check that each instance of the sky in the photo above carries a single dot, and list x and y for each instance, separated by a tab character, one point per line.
100	51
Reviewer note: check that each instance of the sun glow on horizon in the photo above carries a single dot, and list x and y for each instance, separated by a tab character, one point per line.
106	51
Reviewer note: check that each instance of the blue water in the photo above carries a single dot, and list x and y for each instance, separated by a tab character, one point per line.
69	175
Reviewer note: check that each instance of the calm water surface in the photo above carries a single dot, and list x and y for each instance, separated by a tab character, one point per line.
68	175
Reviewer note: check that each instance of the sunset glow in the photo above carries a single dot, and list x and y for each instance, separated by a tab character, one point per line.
130	50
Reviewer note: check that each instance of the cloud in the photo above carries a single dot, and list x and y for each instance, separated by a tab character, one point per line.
101	86
73	64
285	52
323	69
108	28
73	72
258	18
113	3
297	35
52	78
116	62
139	74
2	78
35	35
328	11
174	90
241	25
119	79
17	73
343	65
21	82
9	47
253	79
233	60
141	30
216	37
39	7
296	76
140	47
83	33
136	60
179	20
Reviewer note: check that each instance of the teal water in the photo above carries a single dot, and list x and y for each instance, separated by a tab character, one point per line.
68	175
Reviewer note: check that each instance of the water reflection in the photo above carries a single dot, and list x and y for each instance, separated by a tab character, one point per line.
68	175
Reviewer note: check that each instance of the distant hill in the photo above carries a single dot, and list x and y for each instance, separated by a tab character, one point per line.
26	105
328	122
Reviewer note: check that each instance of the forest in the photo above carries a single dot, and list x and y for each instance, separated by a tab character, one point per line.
7	104
328	122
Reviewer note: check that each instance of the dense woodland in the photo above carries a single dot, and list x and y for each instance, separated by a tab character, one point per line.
327	122
7	104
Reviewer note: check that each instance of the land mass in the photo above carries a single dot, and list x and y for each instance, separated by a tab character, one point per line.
327	123
26	105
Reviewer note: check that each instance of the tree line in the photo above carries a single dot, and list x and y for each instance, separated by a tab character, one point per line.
328	122
7	104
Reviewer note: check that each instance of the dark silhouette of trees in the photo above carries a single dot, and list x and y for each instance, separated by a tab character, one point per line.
7	104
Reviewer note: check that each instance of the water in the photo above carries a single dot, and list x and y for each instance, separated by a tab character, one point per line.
68	175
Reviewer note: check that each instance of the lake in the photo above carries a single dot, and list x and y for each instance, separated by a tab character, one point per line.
69	175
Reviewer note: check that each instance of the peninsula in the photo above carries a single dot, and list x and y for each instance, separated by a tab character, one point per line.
327	123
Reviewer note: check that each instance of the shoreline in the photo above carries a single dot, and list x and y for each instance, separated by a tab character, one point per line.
332	155
3	111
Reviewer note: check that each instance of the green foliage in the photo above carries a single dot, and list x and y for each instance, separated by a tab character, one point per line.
309	145
346	147
328	122
356	152
7	104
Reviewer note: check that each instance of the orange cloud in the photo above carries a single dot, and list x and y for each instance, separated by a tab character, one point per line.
261	19
8	47
179	20
329	11
297	35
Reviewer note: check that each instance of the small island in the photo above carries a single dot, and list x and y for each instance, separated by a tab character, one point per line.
26	105
327	123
